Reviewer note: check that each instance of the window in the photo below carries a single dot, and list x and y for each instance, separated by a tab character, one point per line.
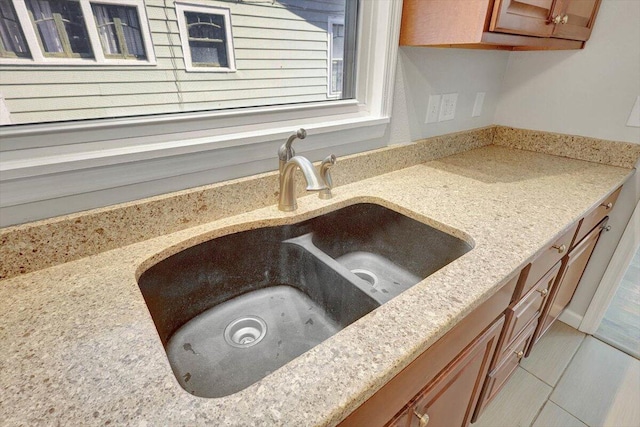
75	32
206	38
12	41
60	27
119	30
336	55
147	142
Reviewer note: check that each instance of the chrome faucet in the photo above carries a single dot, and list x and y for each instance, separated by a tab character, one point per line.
287	200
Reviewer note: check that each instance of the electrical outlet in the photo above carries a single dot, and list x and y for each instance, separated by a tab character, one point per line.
433	109
448	107
477	106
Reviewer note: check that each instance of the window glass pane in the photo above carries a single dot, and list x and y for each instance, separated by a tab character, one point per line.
207	39
61	27
11	36
119	30
190	56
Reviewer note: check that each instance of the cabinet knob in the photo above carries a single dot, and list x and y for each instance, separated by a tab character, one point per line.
520	354
423	418
560	248
607	206
565	19
606	228
543	292
556	19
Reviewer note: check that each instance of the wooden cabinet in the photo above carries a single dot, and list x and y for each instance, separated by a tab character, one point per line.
567	19
452	369
577	18
573	267
450	399
527	17
505	368
520	324
498	24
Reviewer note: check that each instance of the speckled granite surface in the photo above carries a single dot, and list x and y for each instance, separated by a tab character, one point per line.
80	348
41	244
596	150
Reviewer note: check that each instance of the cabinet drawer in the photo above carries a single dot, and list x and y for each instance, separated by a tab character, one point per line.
499	375
595	216
521	313
550	255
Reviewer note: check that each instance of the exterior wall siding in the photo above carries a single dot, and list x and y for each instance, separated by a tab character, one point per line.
281	57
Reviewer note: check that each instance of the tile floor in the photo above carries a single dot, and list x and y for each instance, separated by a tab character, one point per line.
620	326
569	380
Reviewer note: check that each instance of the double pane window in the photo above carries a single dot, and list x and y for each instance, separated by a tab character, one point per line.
207	39
205	33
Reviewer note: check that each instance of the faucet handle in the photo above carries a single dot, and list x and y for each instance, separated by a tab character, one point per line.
325	174
286	151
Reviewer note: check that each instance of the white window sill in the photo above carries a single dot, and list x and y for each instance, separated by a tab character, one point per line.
38	161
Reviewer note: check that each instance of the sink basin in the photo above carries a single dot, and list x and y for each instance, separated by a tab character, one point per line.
231	310
388	250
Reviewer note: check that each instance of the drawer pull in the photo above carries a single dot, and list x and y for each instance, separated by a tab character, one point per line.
607	206
520	354
424	419
543	292
560	248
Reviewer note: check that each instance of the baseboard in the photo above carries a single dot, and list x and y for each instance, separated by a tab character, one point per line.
570	318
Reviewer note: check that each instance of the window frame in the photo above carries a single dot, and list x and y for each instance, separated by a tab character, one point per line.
33	151
181	9
40	57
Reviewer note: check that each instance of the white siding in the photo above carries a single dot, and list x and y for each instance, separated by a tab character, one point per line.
281	57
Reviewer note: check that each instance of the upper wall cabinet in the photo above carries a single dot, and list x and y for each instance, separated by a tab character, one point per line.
498	24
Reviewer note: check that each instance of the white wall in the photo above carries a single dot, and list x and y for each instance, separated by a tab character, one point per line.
589	92
424	71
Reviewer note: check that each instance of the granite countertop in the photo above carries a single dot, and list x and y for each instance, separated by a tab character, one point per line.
79	346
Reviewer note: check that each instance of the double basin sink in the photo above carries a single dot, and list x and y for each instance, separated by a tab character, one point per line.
234	309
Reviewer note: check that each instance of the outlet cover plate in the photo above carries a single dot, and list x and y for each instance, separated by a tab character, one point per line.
448	107
433	109
477	106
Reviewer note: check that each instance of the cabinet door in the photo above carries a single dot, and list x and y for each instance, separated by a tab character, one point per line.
575	264
450	399
528	17
577	18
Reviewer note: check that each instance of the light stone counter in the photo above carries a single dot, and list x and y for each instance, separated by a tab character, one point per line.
78	346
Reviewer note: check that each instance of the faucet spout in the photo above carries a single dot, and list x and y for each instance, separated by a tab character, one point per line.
287	200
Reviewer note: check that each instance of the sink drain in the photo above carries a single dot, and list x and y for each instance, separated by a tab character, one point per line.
245	331
366	275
